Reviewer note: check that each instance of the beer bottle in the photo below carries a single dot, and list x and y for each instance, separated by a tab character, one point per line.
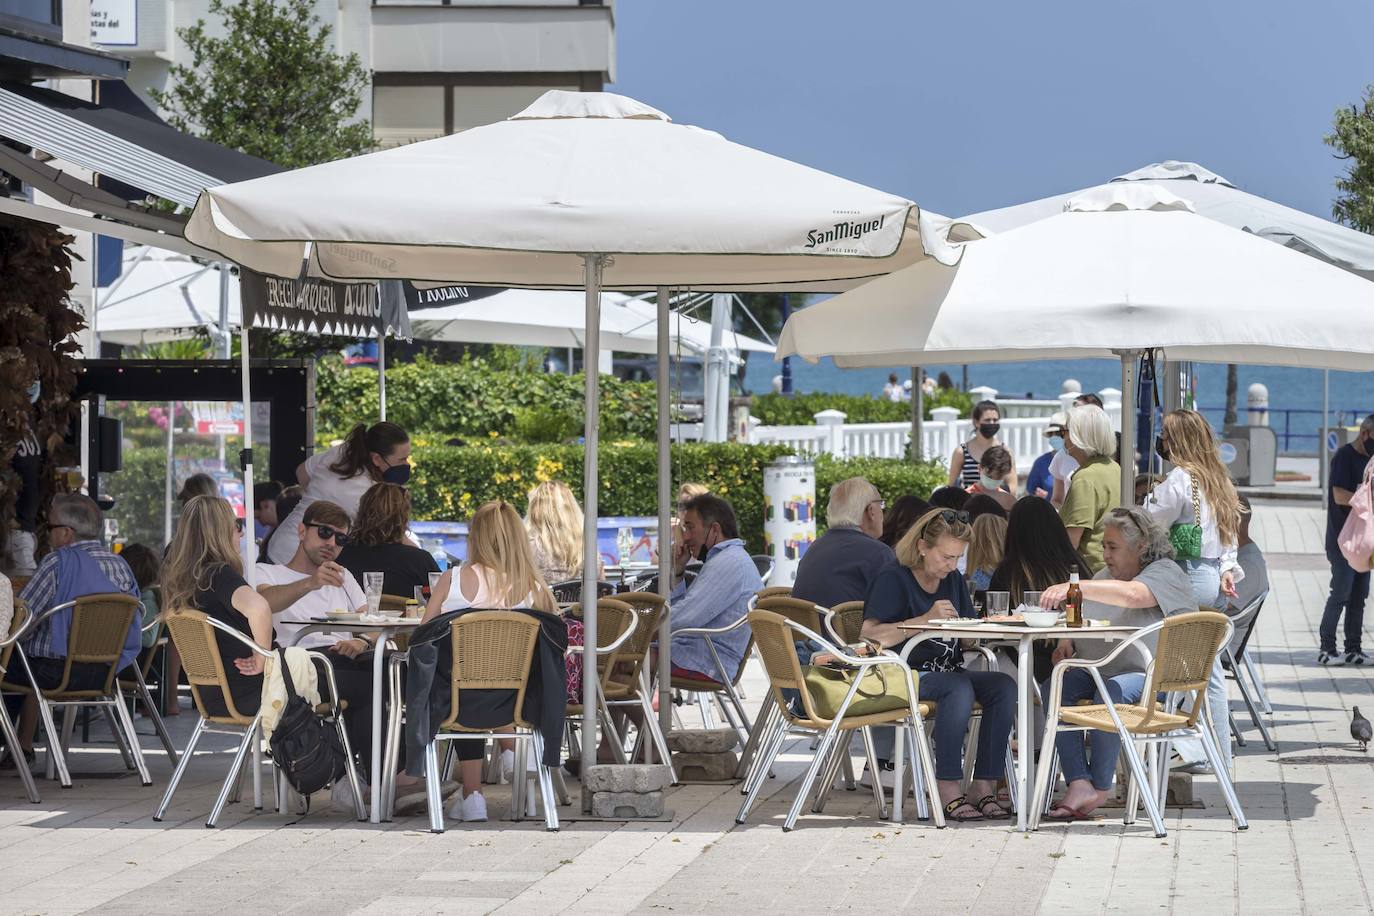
1073	601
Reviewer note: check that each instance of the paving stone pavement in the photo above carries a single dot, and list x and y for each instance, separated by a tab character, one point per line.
95	848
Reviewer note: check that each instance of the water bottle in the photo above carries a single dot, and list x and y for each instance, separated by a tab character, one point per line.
624	543
440	556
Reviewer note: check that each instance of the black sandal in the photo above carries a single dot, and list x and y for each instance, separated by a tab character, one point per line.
956	803
982	804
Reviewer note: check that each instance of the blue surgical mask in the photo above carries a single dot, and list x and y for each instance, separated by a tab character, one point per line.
1057	443
989	483
34	391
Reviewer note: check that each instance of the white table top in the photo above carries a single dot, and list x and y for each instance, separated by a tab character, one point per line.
1016	630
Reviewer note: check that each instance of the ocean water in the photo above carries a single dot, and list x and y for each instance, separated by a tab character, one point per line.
1295	395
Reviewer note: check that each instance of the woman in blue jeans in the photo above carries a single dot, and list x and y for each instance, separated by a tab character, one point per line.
924	584
1140	585
1198	491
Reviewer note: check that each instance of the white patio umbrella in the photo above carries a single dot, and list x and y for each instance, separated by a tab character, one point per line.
161	296
1125	268
558	318
580	190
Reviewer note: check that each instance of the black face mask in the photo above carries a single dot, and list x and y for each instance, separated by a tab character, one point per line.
989	430
1160	448
398	474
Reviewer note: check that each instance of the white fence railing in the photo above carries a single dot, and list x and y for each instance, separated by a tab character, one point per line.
1023	425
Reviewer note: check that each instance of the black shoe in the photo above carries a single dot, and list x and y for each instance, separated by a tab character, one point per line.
1329	658
1356	658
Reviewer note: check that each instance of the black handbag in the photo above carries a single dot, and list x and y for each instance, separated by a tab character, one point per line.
303	746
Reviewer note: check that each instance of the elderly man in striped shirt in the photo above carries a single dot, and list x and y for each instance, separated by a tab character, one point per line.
78	565
720	593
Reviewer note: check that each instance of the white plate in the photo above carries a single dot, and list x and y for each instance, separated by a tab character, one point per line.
374	619
956	621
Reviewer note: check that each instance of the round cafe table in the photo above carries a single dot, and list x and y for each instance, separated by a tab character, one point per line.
1022	636
384	630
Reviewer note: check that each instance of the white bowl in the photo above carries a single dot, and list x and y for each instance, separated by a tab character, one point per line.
1040	619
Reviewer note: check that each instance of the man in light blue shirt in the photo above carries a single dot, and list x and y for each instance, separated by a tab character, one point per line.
718	596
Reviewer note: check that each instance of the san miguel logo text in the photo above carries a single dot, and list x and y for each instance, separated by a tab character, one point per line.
842	230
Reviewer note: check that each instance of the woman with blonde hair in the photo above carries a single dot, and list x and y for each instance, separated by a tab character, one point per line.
1198	505
924	585
555	523
203	571
499	573
985	549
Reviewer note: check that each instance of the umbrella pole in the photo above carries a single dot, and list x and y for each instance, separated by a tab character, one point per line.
246	457
665	523
1128	422
381	374
591	343
171	461
918	412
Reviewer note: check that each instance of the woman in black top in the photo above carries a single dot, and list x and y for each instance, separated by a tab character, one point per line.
378	542
203	571
921	586
1037	555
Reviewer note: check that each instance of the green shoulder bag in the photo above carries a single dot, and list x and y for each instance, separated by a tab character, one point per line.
1187	539
878	692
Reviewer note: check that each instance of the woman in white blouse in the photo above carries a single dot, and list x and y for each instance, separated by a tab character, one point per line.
1199	491
1188	443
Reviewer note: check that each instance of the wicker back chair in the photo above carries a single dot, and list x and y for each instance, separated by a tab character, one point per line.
811	616
99	628
774	591
616	623
1186	649
492	650
847	621
776	636
195	635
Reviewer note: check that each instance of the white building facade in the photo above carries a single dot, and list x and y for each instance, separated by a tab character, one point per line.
437	66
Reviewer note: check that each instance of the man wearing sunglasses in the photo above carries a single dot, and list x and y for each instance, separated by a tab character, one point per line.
309	587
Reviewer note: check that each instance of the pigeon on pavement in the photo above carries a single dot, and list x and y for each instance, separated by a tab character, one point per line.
1361	730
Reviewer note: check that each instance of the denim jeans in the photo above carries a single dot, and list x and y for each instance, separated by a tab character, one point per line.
1104	746
1205	576
1349	590
955	692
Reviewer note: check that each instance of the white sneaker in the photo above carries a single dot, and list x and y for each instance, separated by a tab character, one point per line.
507	766
469	808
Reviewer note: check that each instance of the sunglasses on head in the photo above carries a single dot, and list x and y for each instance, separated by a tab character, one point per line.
949	516
326	533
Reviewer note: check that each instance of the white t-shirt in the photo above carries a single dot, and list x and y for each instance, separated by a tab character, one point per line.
324	484
1171	503
348	597
1062	466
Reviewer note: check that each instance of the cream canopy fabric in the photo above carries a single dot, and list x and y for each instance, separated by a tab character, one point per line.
518	203
1098	279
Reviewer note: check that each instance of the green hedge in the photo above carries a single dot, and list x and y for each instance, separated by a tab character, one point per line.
801	409
474	400
449	482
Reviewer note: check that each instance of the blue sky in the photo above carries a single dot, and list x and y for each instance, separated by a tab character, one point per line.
968	106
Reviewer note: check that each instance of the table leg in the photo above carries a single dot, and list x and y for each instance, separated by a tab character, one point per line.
378	702
1025	742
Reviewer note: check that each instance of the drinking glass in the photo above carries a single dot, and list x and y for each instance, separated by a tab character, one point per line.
998	602
372	587
1031	599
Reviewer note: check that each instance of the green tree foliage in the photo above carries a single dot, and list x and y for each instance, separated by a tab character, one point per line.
800	410
1353	140
271	87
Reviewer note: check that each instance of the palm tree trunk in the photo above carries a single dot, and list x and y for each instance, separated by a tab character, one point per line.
1232	383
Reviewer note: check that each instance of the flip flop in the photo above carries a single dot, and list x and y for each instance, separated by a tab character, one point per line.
1069	817
956	803
982	804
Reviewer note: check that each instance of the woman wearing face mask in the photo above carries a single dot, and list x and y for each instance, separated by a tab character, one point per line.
994	468
371	454
963	464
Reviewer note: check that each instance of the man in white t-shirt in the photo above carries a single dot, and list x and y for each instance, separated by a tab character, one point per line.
309	587
313	584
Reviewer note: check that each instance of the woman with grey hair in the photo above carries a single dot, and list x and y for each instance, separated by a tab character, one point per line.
1096	485
1140	585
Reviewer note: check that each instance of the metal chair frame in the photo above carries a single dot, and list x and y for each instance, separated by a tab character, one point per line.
1144	785
248	729
137	689
1241	668
19	625
109	698
649	611
825	760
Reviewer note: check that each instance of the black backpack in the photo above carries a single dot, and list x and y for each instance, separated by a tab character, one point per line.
307	750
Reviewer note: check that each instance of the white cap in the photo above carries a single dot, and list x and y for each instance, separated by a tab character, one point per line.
907	384
1058	420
